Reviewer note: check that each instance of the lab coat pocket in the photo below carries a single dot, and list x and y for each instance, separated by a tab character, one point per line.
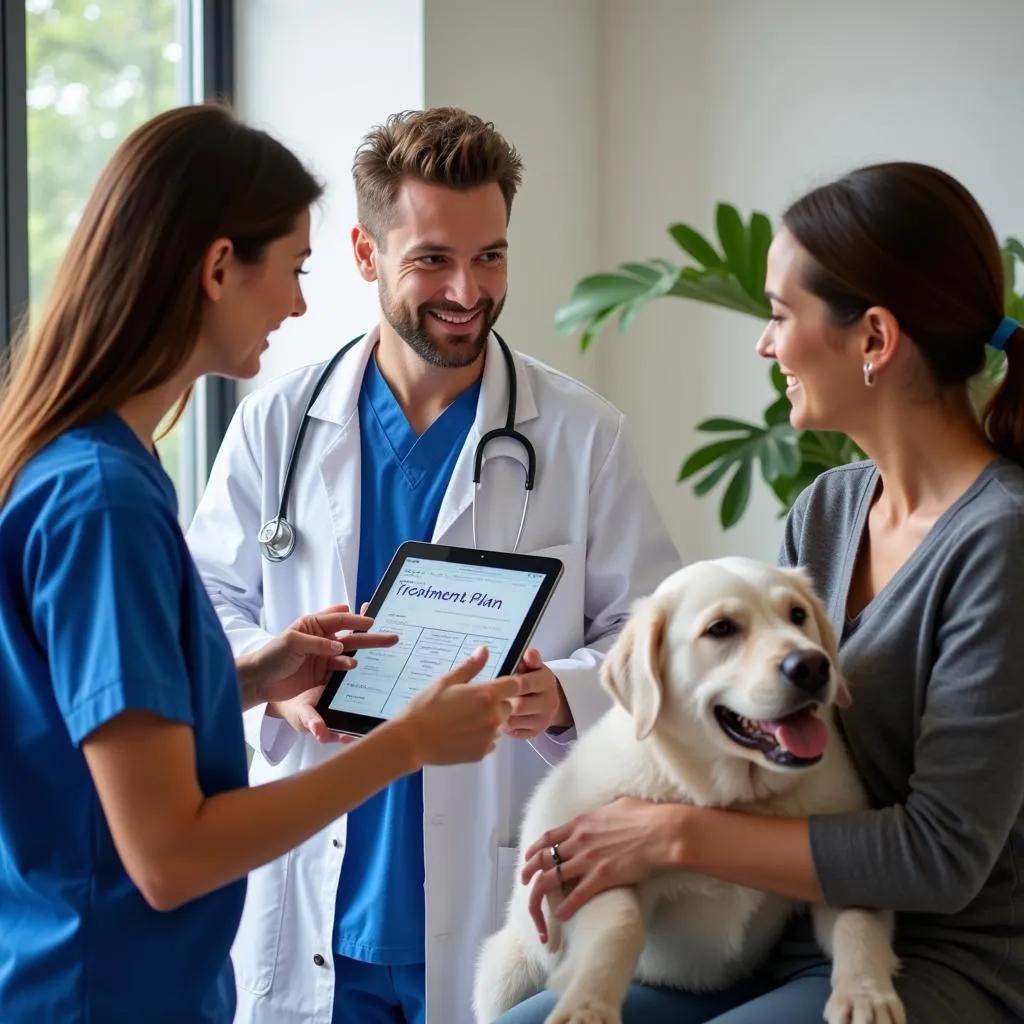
505	881
561	627
255	950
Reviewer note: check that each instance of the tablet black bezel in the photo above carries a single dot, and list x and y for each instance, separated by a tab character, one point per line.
353	724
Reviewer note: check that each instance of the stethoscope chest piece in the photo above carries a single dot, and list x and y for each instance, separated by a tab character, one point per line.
276	539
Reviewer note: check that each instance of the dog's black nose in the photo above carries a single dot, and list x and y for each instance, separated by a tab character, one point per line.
808	670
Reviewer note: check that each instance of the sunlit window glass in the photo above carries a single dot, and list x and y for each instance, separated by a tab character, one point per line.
96	69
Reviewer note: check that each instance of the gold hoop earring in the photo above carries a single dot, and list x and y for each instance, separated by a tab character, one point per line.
869	376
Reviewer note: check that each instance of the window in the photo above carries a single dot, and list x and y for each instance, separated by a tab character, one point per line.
93	70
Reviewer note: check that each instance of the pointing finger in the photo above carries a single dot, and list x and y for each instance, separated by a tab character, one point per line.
467	670
333	622
366	641
506	688
334	609
316	646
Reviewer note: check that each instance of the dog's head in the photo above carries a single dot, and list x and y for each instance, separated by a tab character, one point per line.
731	657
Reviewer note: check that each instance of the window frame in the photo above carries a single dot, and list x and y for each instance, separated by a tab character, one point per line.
13	170
215	398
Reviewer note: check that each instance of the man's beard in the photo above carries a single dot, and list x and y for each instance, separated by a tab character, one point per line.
411	326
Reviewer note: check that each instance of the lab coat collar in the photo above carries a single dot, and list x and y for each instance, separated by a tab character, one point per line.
338	403
339	399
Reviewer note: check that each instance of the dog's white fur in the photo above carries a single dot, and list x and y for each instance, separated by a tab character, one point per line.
661	741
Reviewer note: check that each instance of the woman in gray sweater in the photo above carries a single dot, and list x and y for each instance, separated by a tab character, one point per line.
886	287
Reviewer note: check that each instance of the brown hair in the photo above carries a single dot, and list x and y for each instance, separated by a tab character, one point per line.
912	239
124	311
442	146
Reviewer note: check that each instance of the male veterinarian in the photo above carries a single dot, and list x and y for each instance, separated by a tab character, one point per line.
379	918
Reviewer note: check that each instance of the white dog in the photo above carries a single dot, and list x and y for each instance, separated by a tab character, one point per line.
723	680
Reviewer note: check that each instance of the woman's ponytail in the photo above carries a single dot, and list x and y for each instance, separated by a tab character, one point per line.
1004	412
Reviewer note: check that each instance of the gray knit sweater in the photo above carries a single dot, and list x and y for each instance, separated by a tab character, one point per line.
936	667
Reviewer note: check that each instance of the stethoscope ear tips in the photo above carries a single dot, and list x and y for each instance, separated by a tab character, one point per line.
276	540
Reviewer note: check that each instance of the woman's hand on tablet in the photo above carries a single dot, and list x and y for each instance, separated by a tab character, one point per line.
301	714
453	723
298	661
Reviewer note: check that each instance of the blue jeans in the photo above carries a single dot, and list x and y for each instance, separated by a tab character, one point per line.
931	992
800	1000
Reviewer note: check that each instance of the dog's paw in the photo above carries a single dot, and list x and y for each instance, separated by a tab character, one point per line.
584	1010
864	1001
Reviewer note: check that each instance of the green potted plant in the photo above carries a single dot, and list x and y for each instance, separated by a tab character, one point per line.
732	276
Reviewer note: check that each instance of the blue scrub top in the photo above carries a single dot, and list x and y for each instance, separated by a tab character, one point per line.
101	611
381	906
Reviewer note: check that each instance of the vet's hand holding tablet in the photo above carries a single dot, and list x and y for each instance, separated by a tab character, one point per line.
443	603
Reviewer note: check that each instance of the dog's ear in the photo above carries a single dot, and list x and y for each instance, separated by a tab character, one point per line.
631	671
831	645
825	631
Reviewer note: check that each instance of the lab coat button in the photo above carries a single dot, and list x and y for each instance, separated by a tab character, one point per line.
336	843
318	960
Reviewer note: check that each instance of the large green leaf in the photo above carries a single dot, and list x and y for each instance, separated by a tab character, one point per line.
595	327
1013	252
775	449
736	497
711	287
649	273
789	459
595	299
703	457
778	412
595	295
734	282
707	483
733	237
628	314
717	424
696	245
778	379
779	452
1009	274
760	243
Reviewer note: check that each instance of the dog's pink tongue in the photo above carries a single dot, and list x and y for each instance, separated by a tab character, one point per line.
804	735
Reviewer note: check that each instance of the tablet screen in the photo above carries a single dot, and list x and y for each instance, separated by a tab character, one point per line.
441	611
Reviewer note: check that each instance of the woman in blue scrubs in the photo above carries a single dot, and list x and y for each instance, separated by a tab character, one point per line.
126	824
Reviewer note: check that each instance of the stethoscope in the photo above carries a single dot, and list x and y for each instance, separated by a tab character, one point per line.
277	536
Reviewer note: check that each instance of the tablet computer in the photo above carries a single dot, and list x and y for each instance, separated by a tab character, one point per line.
443	603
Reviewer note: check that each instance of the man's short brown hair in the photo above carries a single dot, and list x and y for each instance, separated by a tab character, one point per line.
442	146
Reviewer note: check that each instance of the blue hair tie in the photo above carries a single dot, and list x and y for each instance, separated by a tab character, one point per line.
1006	329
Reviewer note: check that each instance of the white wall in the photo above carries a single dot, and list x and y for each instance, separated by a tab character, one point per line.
533	67
318	74
753	103
631	114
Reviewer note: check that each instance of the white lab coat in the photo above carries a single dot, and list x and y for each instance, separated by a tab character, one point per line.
590	508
